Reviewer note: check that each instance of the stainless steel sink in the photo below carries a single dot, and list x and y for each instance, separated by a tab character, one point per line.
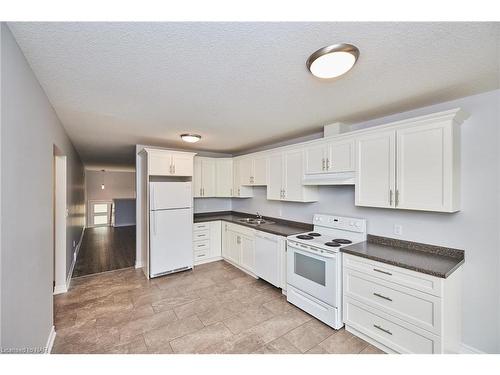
254	221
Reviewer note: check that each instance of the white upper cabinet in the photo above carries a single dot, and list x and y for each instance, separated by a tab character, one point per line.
239	190
182	164
204	177
260	171
224	177
315	158
253	171
169	163
340	156
412	165
275	177
425	168
197	183
245	171
284	178
329	162
208	177
376	173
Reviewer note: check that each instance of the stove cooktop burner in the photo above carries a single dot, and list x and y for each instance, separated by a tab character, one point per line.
314	234
304	237
332	244
342	241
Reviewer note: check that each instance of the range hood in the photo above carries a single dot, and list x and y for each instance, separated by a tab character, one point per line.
333	178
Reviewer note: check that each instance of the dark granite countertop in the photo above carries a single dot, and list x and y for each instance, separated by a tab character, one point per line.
433	260
280	227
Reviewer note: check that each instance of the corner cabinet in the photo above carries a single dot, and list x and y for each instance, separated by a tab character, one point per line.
224	178
284	178
415	166
204	178
240	167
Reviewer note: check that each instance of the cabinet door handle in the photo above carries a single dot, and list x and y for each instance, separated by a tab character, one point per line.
327	163
238	192
390	197
323	164
384	272
174	168
397	198
383	297
382	329
203	191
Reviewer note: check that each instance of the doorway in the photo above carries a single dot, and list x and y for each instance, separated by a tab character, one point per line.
100	213
60	215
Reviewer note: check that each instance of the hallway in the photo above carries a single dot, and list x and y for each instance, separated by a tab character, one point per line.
106	249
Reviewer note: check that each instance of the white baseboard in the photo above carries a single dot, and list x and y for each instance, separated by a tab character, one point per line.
72	268
50	340
138	265
209	260
58	289
466	349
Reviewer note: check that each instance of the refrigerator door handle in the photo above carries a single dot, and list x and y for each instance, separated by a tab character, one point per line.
153	197
154	223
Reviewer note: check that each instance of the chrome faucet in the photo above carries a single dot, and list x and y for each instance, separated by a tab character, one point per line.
259	216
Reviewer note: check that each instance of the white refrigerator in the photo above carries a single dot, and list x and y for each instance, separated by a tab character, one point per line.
170	227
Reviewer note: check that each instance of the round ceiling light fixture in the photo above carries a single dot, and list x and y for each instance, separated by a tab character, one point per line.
190	138
332	61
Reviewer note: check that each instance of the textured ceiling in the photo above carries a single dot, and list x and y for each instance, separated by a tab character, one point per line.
241	85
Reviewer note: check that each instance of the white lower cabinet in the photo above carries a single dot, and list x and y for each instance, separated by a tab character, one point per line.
239	246
400	310
207	242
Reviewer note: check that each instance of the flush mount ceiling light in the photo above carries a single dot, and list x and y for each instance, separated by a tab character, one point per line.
332	61
191	138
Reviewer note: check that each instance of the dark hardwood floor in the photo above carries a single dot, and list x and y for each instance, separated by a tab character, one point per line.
105	249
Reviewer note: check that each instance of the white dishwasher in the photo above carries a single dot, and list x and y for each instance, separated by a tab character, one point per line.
267	257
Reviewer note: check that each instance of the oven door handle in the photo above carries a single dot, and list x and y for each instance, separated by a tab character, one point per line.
310	252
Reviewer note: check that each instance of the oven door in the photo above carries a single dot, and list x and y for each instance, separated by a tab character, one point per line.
315	273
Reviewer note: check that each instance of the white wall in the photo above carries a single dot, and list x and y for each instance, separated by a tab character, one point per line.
30	130
475	228
116	185
212	204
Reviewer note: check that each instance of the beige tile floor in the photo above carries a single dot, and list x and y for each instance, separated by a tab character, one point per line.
214	309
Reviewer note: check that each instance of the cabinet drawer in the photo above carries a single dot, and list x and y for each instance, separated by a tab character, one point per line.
201	255
201	235
389	331
410	305
200	226
201	245
416	280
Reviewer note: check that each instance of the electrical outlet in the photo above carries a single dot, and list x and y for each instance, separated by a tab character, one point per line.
398	229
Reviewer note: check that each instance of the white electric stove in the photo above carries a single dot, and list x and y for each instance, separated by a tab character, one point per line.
314	266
